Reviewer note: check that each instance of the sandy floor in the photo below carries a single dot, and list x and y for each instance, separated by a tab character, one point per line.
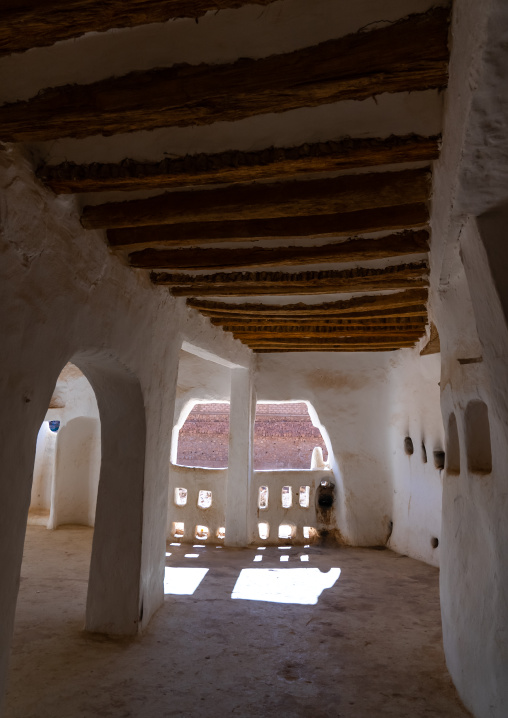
370	647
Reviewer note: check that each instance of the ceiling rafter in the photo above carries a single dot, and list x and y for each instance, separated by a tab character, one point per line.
406	56
236	166
346	193
239	284
36	24
352	250
191	234
355	306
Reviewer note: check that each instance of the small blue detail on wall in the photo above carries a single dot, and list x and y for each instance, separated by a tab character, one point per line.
54	425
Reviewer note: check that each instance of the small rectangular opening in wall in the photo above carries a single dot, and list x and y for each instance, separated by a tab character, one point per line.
304	496
263	497
263	530
309	532
285	531
287	498
202	532
204	499
180	496
221	533
178	529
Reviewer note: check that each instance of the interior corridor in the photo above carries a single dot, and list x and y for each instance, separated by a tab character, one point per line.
370	647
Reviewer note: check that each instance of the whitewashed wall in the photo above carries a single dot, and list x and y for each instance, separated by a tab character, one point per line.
64	297
415	413
67	462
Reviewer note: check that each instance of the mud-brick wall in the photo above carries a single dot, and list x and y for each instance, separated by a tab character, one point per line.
284	437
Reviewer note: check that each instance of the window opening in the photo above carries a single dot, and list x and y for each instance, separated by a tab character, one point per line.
202	532
204	499
287	498
304	496
309	532
263	497
263	530
284	436
203	439
180	496
178	529
285	531
221	533
284	557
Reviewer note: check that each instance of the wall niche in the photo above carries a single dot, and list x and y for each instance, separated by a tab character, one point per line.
453	447
479	451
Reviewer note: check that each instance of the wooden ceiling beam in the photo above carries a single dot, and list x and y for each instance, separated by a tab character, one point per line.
352	250
323	326
237	284
311	227
360	334
318	348
235	166
414	316
355	306
346	342
405	56
33	23
347	193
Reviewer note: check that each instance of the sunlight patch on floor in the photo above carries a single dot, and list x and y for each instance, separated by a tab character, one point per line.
182	581
284	585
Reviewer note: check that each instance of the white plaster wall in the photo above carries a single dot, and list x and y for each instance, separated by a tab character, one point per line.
65	297
43	475
195	479
274	514
415	412
350	394
67	463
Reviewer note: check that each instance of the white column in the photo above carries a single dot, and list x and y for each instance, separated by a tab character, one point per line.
242	409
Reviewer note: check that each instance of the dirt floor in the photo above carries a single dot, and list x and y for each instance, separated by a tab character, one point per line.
370	647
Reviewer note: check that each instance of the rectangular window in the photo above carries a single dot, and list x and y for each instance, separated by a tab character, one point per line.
304	496
287	498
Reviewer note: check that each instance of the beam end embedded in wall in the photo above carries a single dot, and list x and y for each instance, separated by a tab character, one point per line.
472	360
433	346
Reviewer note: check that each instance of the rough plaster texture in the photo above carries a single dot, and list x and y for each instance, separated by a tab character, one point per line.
191	515
275	515
67	463
350	397
417	484
468	302
367	405
64	297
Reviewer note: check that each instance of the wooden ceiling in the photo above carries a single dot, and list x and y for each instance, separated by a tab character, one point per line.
345	217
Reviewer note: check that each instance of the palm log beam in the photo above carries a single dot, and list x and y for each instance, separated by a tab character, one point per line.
406	56
352	250
314	226
400	301
235	166
318	348
347	193
256	337
387	340
237	284
416	316
37	24
294	324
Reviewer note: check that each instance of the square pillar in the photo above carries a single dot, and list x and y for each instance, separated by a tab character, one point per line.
241	423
